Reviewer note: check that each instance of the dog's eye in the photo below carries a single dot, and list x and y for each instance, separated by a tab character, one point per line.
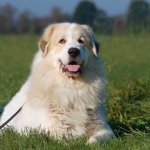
62	41
81	40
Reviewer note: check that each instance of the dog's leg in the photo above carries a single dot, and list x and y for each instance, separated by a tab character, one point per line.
19	99
98	128
15	104
103	134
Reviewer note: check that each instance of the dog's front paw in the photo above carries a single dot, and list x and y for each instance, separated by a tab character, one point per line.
102	135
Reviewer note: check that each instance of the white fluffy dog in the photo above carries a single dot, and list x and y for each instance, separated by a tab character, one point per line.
64	93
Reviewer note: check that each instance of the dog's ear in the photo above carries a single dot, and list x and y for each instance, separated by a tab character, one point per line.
44	42
95	48
95	44
43	45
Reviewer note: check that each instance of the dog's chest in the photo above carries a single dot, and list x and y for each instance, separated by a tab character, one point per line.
68	110
59	122
61	111
67	122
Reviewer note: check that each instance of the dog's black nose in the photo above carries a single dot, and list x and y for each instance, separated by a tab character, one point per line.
74	52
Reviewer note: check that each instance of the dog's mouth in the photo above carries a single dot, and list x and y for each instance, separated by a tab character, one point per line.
72	68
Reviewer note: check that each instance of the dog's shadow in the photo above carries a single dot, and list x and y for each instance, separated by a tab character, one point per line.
121	129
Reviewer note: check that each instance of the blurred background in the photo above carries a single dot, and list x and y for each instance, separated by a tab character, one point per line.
105	16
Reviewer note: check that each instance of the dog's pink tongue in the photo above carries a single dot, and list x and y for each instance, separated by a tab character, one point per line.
72	68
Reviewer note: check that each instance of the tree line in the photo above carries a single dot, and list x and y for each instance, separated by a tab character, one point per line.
136	19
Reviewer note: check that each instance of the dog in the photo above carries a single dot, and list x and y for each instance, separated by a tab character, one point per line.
64	94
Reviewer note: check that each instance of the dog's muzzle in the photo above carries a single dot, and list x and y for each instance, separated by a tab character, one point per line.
74	67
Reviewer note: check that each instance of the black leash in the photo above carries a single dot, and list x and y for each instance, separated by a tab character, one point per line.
6	122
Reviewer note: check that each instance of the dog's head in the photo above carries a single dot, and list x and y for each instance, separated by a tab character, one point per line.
68	46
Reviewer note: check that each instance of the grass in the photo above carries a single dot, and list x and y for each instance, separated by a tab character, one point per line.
14	141
127	61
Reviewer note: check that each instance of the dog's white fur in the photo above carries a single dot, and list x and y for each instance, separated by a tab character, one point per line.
59	102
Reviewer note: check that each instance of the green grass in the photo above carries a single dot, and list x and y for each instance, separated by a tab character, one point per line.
127	61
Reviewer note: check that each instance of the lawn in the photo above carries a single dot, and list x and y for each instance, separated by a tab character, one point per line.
127	61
